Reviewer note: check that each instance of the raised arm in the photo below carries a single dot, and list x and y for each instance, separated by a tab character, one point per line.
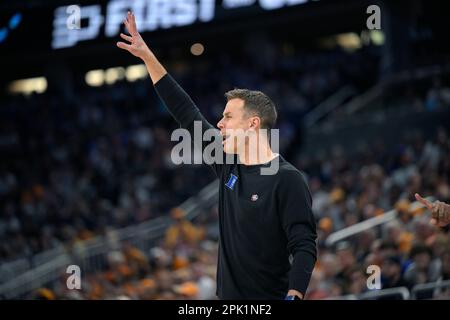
139	48
176	100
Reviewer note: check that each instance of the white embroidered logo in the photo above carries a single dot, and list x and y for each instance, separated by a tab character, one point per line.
254	197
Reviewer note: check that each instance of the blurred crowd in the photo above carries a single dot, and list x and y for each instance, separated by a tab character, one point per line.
76	167
409	250
181	266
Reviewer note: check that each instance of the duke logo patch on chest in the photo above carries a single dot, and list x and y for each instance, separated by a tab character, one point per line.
231	181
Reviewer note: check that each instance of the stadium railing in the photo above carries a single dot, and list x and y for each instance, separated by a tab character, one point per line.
399	292
367	224
380	88
10	270
430	290
328	105
419	291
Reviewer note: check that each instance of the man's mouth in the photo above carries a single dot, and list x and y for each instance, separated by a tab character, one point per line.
225	137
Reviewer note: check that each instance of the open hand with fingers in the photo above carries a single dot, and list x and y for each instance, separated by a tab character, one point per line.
136	45
440	211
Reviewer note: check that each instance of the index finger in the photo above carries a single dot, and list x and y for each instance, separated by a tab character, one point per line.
425	202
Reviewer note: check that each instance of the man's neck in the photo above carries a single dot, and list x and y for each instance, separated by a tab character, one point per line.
262	154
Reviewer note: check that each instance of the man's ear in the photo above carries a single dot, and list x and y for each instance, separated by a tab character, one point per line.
255	122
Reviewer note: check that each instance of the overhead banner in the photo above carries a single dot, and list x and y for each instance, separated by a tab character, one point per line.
73	24
43	27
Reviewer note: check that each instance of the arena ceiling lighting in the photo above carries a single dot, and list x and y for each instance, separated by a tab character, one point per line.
95	78
349	41
197	49
114	74
377	37
28	86
99	77
136	72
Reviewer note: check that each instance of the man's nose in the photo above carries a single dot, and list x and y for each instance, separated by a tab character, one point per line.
220	125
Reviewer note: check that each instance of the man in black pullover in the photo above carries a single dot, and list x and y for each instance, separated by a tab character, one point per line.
265	219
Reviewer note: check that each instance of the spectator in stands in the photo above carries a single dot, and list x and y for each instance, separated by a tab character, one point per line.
391	273
440	211
445	268
421	270
182	231
347	261
357	281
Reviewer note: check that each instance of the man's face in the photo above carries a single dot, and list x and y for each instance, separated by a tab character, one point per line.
233	126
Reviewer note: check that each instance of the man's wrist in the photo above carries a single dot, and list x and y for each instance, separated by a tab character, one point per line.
148	57
294	295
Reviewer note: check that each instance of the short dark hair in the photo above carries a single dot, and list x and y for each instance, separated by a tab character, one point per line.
419	249
257	103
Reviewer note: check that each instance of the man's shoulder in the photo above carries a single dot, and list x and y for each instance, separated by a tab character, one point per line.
288	173
286	168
